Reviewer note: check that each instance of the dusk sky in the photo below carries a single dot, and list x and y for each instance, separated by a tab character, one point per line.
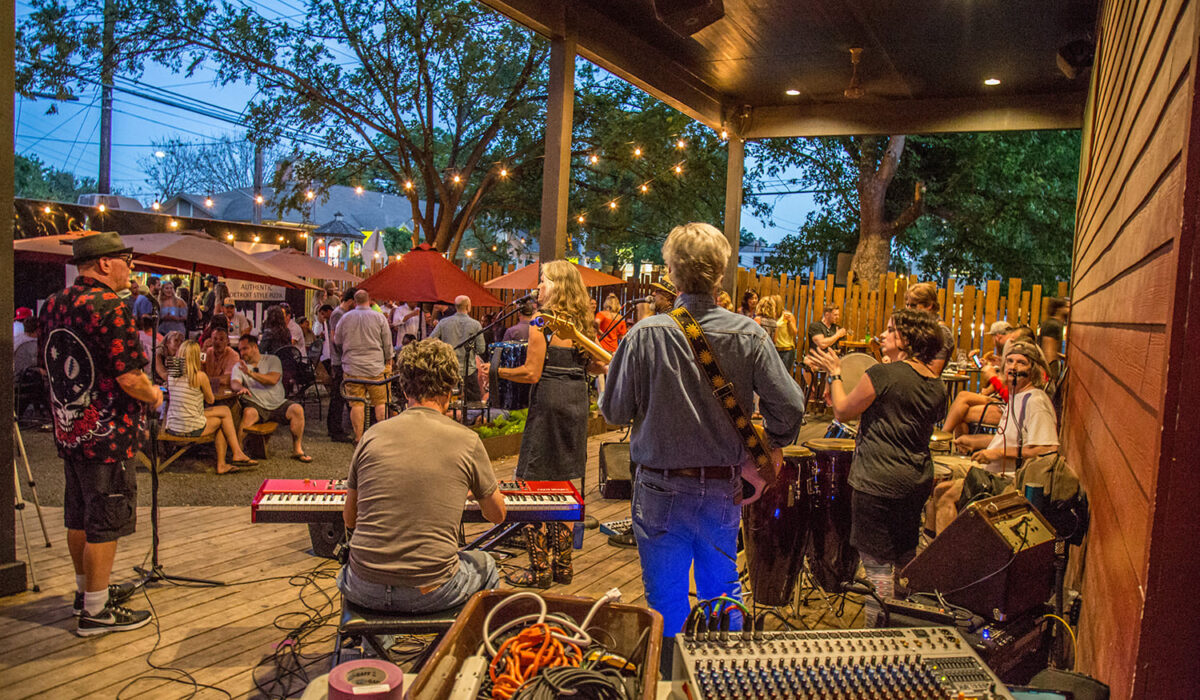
69	139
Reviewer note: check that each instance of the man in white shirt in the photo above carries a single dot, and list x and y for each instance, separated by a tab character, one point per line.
293	327
258	379
406	321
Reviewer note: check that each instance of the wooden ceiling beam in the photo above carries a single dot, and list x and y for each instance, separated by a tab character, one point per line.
996	113
617	50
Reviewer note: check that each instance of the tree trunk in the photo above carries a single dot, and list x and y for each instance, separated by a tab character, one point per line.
875	233
871	256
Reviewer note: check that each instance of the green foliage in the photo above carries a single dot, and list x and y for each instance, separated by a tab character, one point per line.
34	179
397	240
997	205
511	425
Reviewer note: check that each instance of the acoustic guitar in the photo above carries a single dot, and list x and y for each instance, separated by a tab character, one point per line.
565	329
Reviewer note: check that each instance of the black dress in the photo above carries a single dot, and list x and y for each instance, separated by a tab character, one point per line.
554	447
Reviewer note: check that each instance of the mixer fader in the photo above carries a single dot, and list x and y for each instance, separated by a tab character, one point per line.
915	662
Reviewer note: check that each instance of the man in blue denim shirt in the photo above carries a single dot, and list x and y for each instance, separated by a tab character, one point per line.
686	498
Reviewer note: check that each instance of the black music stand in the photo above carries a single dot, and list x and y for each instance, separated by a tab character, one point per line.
156	572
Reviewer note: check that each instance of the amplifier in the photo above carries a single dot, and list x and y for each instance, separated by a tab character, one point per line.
915	662
995	559
616	471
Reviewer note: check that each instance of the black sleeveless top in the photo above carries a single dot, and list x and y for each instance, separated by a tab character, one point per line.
554	446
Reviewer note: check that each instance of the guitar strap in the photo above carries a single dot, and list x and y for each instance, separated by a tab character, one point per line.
722	389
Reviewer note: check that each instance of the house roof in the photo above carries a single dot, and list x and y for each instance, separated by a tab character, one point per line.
369	211
338	228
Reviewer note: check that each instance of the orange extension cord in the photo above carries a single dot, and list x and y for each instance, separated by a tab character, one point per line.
524	656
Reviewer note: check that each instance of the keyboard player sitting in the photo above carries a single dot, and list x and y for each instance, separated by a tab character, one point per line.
408	481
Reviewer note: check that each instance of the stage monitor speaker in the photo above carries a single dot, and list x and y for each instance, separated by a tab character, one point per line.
616	471
686	17
995	559
325	538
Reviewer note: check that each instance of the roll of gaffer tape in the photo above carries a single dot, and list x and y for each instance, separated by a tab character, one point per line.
366	679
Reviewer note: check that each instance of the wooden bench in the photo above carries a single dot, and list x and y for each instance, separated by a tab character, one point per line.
258	439
182	444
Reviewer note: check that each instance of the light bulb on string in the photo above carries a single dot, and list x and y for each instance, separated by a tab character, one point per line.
408	184
257	239
457	179
594	159
309	194
637	152
612	204
358	189
681	144
207	202
645	188
46	210
280	239
724	134
678	169
229	236
155	206
102	208
580	218
503	172
173	223
258	199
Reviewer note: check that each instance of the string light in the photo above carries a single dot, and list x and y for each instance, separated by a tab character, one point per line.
681	144
637	152
173	223
358	189
678	169
309	194
304	234
256	239
377	255
280	239
320	241
724	134
457	179
493	247
229	236
595	159
155	206
207	202
645	188
46	209
258	199
503	172
470	253
102	208
612	204
408	185
581	218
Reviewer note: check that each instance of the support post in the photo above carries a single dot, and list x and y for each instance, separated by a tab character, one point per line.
734	171
556	176
103	181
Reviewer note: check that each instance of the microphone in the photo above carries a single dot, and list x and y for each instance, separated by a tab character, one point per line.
532	296
648	299
1015	373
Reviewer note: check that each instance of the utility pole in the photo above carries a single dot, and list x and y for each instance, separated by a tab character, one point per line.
103	184
258	182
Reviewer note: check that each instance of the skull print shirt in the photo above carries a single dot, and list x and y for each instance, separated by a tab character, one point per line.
88	340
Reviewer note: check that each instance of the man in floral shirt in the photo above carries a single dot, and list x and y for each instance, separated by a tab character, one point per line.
98	395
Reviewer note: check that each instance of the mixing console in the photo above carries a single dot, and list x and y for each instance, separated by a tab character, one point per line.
917	662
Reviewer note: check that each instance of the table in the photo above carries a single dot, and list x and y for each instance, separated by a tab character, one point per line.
857	346
954	383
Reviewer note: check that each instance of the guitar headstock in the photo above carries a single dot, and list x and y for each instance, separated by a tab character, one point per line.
562	326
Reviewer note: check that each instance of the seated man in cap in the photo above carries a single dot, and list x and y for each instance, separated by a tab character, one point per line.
404	497
258	379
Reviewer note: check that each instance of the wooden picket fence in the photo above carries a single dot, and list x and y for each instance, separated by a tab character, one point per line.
866	306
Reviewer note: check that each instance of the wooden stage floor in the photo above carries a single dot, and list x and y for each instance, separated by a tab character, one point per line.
227	636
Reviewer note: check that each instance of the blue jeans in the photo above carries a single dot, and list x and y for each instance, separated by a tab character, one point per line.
679	521
476	572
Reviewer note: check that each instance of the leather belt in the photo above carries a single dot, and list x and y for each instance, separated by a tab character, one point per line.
722	473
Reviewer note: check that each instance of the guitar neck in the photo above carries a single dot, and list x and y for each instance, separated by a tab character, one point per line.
590	347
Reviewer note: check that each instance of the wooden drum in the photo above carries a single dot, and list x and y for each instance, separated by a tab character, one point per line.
774	529
831	557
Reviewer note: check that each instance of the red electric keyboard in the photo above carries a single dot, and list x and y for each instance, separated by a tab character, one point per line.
322	500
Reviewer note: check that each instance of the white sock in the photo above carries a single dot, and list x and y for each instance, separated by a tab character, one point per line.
80	582
94	601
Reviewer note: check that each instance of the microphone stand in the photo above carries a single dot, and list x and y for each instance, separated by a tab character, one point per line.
1012	407
624	314
155	571
466	369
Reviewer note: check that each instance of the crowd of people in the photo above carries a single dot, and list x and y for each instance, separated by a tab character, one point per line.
410	473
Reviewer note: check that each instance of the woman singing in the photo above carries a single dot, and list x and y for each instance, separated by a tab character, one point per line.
555	444
892	473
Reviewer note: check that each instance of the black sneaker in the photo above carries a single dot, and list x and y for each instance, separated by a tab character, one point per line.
624	539
117	593
113	618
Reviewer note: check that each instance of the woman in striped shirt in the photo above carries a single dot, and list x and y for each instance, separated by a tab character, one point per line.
189	413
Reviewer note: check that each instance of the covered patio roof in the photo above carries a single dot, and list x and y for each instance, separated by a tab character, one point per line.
922	66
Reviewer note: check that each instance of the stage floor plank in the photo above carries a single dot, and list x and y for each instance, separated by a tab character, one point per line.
221	635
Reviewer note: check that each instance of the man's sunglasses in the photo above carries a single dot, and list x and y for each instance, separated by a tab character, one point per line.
127	257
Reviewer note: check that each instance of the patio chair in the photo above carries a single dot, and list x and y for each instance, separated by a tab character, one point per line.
299	376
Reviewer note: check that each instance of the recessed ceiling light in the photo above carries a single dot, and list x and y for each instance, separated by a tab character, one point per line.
992	81
793	92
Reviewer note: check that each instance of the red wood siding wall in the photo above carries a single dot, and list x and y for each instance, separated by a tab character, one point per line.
1130	231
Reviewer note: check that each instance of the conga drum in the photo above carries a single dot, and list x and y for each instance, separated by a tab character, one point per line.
831	557
503	393
774	529
946	467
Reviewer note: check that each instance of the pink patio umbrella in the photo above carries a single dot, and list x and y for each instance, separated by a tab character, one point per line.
302	265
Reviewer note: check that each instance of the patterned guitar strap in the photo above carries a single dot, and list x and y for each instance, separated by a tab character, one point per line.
722	389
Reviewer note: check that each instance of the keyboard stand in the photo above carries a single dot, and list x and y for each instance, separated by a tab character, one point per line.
494	537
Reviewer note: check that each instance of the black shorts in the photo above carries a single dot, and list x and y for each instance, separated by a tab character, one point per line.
100	498
886	528
278	415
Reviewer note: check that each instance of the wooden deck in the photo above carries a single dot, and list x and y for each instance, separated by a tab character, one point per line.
227	636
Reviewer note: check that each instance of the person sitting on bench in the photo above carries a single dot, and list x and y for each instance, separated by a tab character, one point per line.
189	389
257	378
405	492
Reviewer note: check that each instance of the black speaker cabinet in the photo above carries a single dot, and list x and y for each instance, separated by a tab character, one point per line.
996	559
687	17
325	538
616	471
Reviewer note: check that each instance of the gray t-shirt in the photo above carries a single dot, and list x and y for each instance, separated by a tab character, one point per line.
413	473
335	350
269	397
366	342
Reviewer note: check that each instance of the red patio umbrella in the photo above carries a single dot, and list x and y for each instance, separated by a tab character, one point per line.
527	278
424	275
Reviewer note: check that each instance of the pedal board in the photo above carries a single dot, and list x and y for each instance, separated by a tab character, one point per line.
616	527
